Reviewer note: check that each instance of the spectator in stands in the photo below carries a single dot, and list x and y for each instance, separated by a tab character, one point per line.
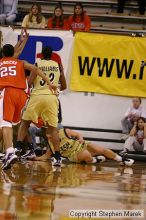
141	3
131	115
8	11
79	21
58	21
137	138
34	19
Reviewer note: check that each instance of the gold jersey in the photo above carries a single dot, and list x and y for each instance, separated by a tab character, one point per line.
69	147
51	69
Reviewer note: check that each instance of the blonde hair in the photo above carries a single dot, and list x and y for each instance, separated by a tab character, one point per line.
39	16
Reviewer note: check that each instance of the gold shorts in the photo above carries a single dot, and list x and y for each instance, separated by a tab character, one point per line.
42	106
72	151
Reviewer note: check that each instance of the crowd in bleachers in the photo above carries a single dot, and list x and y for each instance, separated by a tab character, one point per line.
78	21
134	127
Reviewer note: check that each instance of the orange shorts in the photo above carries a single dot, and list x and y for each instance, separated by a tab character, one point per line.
14	101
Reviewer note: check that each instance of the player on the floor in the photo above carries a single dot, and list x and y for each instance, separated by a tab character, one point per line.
43	103
73	147
13	96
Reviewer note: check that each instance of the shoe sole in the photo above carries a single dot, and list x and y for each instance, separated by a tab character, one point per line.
8	165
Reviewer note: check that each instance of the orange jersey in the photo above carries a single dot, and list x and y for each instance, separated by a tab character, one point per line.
64	25
14	101
12	73
79	24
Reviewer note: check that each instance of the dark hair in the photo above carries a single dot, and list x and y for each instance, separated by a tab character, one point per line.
8	50
82	14
141	118
47	52
138	99
39	16
60	18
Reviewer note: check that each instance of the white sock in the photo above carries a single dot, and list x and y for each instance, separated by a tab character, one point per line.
118	158
10	150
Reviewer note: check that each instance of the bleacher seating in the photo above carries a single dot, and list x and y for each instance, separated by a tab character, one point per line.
102	12
116	143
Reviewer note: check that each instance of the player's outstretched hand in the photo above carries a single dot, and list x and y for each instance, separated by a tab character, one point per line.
24	35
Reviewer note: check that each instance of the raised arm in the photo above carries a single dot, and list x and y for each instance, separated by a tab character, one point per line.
21	43
20	40
74	134
133	130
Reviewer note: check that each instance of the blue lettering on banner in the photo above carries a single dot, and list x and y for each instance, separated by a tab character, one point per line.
29	52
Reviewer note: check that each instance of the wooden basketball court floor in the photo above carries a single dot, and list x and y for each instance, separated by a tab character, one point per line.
34	190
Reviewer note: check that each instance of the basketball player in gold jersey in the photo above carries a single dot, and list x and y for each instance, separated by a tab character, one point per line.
43	104
76	149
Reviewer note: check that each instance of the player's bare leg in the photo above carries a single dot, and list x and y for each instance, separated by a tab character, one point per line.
22	134
7	133
1	134
23	130
95	149
87	157
10	156
54	138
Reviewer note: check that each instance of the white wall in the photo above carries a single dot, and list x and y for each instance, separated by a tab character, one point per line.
98	111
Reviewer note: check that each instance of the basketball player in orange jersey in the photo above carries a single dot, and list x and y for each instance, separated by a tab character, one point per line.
18	48
13	96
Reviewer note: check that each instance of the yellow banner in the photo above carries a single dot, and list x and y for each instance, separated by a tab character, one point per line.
109	64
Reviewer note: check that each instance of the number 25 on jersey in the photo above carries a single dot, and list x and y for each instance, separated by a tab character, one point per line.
8	71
